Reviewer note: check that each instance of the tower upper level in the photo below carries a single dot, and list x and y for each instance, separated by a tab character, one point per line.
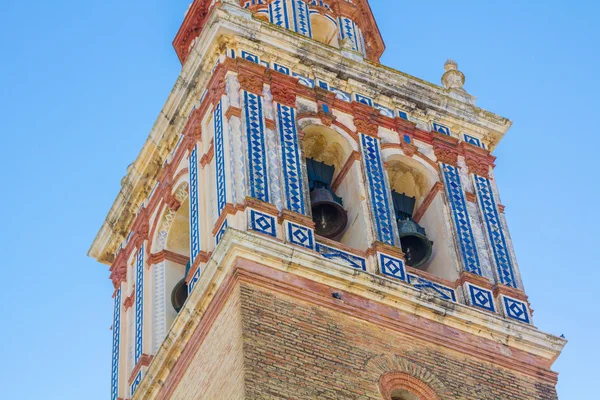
347	24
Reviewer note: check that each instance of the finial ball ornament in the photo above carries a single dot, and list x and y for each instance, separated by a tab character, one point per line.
453	78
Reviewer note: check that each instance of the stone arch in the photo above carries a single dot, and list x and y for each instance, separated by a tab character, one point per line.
395	372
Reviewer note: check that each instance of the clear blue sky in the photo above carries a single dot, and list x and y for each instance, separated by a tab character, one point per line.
81	84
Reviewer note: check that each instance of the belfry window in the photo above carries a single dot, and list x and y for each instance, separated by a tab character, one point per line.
416	246
327	208
401	394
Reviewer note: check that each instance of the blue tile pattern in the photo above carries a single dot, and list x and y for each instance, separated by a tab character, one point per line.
340	94
363	100
220	158
139	304
250	57
278	13
304	80
300	235
116	346
292	166
301	18
481	298
222	231
516	309
194	210
352	260
428	286
462	222
473	140
194	281
349	30
263	223
257	156
136	383
281	68
378	190
403	115
392	266
491	215
388	112
439	128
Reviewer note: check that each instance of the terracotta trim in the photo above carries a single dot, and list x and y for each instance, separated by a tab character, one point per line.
400	380
474	279
168	255
386	249
352	158
208	156
501	208
144	361
229	209
261	206
340	246
270	124
297	218
446	149
130	300
470	196
201	258
430	277
313	115
233	112
433	192
510	292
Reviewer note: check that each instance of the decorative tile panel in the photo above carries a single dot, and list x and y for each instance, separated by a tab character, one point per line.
516	309
222	231
281	68
257	155
194	281
292	166
136	383
263	223
300	235
220	158
363	100
301	18
392	266
473	140
278	13
388	112
116	346
159	328
378	190
462	222
139	303
304	80
250	57
340	94
481	298
495	232
351	260
434	288
194	207
403	115
349	30
439	128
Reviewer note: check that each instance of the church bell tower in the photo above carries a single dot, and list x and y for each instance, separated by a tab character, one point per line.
306	223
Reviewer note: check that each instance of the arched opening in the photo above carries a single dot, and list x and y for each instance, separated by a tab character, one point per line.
176	265
419	209
324	28
402	386
333	181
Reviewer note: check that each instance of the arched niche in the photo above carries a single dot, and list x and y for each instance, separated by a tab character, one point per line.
324	28
325	144
414	178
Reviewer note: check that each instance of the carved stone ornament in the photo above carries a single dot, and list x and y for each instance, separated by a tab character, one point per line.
251	83
118	274
327	119
283	95
478	167
446	156
453	78
366	127
408	149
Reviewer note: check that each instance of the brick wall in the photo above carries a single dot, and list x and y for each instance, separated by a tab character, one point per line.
295	350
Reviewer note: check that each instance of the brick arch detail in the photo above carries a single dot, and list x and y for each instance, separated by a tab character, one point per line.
396	372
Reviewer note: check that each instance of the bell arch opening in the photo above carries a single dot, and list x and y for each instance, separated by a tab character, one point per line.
419	210
402	394
324	29
334	177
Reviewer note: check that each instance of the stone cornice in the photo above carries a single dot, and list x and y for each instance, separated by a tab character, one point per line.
394	305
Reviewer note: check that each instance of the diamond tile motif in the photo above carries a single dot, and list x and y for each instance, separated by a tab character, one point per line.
481	298
439	128
194	211
194	281
349	30
263	223
392	266
462	222
495	233
301	18
349	259
473	140
292	167
300	235
136	382
516	309
220	158
434	288
255	133
139	303
378	190
278	13
116	345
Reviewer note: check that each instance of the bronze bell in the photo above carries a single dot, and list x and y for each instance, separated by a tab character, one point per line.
179	295
415	245
329	216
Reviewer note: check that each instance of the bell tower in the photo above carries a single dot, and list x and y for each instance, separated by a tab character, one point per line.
304	222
